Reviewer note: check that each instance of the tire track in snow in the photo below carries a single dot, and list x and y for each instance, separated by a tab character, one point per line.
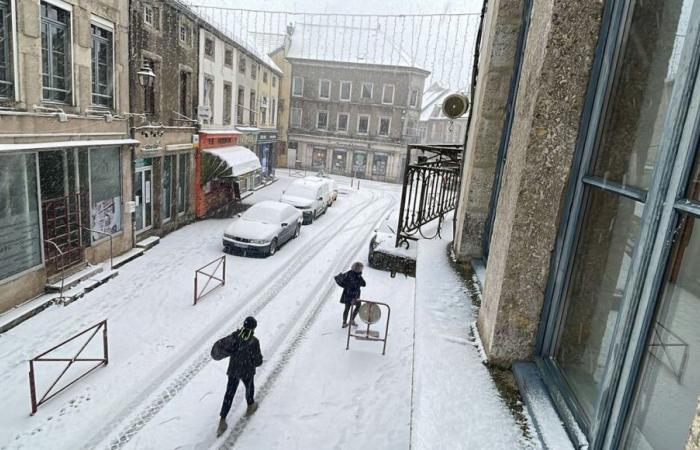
251	307
325	287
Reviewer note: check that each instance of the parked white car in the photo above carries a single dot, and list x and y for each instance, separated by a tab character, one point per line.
332	187
263	228
309	196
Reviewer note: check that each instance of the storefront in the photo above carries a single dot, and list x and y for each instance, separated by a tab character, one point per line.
339	161
265	150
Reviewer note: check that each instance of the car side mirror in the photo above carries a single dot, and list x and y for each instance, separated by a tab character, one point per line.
284	224
239	215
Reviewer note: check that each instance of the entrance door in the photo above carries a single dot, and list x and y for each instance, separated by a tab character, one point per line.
143	190
339	161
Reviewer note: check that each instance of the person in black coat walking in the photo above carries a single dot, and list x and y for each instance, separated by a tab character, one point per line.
352	282
243	350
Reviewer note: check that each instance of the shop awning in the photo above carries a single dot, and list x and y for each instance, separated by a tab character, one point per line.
66	144
239	159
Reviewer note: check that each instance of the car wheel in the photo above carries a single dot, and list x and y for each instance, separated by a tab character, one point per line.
297	231
273	247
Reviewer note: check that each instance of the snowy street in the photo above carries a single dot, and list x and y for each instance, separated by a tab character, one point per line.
161	388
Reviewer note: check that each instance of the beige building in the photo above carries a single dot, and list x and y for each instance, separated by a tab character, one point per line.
65	165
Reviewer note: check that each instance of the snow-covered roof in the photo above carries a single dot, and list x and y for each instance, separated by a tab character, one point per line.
267	42
348	44
239	159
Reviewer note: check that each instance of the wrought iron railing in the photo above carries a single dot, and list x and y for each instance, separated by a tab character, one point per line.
430	189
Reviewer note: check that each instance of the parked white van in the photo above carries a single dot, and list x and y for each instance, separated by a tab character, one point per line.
309	196
332	189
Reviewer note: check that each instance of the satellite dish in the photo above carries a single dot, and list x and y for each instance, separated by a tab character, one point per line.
455	105
370	313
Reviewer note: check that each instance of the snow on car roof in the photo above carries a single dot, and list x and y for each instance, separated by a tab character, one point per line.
266	211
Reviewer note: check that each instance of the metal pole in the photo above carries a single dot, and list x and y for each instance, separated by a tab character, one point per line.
224	277
104	342
195	288
32	387
386	331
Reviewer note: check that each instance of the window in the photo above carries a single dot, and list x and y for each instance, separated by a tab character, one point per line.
209	93
345	91
379	164
318	158
413	98
105	191
20	247
241	105
149	101
185	93
167	188
185	34
228	100
6	66
295	118
263	110
388	94
151	16
274	81
254	71
273	112
252	108
102	67
297	86
209	48
359	163
56	54
367	90
241	64
265	77
324	89
363	124
228	57
322	120
183	168
384	126
342	124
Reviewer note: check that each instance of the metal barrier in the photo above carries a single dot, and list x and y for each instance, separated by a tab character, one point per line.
63	264
371	314
297	172
100	361
221	262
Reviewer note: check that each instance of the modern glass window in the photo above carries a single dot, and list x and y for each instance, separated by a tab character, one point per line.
295	118
388	94
384	126
6	63
297	86
102	66
324	89
252	108
56	54
242	62
183	165
367	90
228	57
167	179
413	98
345	91
20	242
363	124
228	100
209	48
343	119
379	162
105	191
241	105
322	120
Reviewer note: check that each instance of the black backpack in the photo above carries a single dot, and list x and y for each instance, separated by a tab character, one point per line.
220	351
340	280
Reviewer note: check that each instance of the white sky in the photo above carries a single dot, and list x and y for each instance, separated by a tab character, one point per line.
353	6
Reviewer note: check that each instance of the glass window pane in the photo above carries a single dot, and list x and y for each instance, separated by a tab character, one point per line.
670	381
601	266
106	191
167	182
639	102
693	191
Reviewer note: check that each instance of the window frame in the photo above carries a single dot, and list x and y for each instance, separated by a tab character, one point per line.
227	113
291	117
242	63
410	98
254	68
228	50
154	23
11	52
318	117
58	4
240	106
371	90
347	122
369	123
340	92
109	27
252	102
388	129
393	92
320	88
209	38
294	83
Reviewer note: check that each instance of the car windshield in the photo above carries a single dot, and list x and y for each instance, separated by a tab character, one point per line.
301	191
262	213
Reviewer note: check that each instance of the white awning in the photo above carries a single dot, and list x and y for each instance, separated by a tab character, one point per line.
66	144
239	159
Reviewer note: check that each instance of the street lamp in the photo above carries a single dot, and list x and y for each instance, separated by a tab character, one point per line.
146	75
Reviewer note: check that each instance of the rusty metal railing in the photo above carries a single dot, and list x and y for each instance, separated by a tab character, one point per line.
41	358
367	336
220	262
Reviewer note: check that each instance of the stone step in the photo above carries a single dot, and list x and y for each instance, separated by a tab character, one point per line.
75	279
148	243
126	257
26	310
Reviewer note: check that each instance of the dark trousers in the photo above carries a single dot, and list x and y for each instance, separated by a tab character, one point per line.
231	392
355	310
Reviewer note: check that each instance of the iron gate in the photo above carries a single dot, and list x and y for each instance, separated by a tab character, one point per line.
62	219
430	188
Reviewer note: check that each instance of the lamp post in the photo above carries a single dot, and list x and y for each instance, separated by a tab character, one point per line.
146	78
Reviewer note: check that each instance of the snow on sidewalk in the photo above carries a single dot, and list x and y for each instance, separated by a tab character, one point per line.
456	403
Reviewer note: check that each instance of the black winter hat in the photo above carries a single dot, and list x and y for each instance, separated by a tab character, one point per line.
250	323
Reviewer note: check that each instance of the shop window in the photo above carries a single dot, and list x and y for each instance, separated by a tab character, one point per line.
102	66
20	238
318	160
105	191
379	165
359	163
6	55
183	164
56	54
167	188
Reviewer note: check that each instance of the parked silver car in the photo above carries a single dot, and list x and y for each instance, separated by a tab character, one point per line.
263	228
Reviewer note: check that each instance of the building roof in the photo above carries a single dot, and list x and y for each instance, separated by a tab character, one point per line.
267	42
347	44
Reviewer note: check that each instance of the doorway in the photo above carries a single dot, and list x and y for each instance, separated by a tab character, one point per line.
143	192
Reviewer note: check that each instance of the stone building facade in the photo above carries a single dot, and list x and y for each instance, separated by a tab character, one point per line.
65	168
579	196
346	115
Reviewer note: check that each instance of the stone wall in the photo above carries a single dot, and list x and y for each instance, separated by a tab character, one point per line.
694	438
555	73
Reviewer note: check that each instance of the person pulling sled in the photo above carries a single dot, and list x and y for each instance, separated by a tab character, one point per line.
243	349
